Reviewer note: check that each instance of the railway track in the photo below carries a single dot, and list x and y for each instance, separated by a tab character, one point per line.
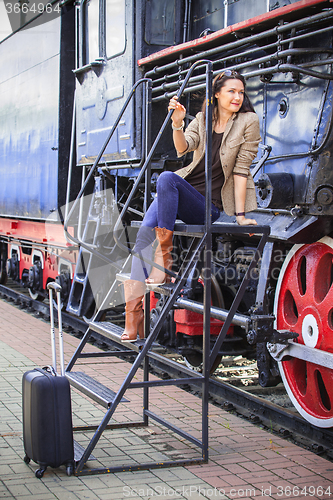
233	386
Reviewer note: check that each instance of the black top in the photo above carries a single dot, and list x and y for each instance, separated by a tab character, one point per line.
197	177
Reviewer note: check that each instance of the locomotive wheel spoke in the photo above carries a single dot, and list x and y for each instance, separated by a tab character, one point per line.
304	304
35	295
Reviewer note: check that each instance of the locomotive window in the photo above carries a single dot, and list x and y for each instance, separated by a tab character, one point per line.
160	22
115	27
92	13
207	17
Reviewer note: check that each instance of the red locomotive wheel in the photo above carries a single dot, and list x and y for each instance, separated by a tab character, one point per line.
304	304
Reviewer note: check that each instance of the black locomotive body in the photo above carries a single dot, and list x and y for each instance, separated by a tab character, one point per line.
131	57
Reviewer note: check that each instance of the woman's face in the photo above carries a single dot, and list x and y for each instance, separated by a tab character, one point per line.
231	96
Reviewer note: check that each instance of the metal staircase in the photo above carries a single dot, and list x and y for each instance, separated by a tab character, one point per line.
201	244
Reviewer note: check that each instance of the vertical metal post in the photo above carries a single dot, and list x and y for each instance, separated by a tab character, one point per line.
264	115
102	29
207	259
147	100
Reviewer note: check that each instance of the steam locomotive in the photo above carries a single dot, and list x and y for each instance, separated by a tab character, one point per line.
83	107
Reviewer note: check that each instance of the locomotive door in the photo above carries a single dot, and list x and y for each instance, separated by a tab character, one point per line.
104	79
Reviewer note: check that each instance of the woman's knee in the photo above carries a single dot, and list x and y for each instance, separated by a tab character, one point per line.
165	179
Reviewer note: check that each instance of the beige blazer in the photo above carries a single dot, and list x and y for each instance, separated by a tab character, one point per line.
238	149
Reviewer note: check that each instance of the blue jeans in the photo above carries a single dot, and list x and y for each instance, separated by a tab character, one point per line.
176	199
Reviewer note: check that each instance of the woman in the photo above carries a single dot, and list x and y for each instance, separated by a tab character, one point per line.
180	194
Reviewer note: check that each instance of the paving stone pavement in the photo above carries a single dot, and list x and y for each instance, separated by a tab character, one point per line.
245	461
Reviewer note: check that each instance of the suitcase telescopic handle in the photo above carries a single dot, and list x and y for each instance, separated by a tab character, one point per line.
53	286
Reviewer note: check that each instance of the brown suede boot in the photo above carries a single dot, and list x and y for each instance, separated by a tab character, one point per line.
162	257
134	293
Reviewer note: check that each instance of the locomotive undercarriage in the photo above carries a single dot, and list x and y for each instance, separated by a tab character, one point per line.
33	263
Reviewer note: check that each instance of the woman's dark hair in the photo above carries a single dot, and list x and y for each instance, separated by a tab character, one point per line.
219	82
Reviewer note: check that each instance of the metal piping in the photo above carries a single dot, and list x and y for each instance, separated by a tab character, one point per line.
278	68
253	38
175	76
274	69
215	312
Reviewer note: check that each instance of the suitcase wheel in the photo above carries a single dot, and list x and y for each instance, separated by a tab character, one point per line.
39	473
26	459
69	469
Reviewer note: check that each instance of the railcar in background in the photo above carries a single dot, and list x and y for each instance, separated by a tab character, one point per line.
120	62
36	101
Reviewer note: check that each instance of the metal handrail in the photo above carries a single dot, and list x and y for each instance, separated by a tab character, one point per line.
87	246
153	334
92	248
149	157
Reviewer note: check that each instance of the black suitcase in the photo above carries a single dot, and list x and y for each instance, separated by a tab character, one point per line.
47	413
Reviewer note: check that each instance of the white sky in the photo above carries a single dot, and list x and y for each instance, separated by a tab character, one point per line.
5	28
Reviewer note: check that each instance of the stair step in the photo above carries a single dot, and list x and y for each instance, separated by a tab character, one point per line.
181	228
114	332
165	289
78	452
108	329
188	229
73	310
92	388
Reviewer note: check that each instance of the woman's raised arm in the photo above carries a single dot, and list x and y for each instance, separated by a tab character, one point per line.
177	118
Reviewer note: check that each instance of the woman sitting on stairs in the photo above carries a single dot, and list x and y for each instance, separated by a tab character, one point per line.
181	194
